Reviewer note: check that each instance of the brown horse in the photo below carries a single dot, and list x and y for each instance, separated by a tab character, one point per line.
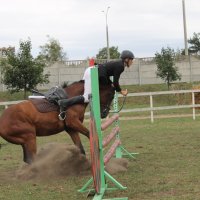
21	123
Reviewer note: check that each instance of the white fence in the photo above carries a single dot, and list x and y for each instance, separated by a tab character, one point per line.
8	103
151	108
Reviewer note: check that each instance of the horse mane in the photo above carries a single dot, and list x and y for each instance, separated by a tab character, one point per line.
66	84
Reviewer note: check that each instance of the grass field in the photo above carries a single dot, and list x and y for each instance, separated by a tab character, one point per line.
167	167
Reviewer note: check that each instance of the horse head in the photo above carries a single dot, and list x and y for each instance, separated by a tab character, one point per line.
106	96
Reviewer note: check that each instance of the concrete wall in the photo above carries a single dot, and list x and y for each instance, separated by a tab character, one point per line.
143	71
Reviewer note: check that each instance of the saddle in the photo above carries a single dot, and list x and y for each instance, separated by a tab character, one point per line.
50	102
44	106
55	94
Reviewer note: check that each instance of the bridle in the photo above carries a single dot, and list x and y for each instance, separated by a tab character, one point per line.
106	108
121	107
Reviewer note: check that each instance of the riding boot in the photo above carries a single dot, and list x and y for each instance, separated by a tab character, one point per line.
65	103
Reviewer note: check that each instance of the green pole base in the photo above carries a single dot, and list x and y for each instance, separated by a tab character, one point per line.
122	152
84	188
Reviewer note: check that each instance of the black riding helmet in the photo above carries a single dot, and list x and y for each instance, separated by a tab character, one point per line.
127	54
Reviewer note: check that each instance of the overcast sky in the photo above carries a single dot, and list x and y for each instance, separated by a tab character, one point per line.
143	26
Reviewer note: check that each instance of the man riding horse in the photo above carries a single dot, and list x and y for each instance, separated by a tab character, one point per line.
113	68
23	122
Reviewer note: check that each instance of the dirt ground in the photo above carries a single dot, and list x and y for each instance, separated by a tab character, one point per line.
58	160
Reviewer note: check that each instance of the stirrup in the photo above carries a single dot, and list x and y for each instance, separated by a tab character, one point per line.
60	116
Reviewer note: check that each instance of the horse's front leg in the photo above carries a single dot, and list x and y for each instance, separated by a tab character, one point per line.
78	126
74	126
76	139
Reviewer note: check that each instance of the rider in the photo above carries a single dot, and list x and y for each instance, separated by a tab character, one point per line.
113	68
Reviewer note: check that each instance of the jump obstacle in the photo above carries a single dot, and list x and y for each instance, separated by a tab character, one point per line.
97	144
120	150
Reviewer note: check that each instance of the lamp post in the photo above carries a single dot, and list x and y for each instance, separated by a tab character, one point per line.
185	28
107	37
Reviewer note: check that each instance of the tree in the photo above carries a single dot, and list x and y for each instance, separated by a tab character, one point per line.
195	43
166	68
114	53
52	51
22	71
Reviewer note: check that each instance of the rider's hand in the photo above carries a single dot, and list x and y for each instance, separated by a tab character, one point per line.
124	92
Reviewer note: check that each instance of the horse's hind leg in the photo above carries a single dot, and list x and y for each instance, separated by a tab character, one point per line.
29	150
28	143
76	139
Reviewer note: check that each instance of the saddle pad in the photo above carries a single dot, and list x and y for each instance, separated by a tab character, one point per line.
43	106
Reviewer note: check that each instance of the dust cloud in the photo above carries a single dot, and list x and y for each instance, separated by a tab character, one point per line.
56	160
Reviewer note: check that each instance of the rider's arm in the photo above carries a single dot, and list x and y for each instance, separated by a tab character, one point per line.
117	72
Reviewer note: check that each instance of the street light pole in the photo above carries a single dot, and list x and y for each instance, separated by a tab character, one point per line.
185	28
107	36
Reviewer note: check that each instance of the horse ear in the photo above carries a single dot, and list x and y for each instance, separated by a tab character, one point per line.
64	84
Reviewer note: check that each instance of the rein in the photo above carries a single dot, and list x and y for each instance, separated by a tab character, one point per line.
117	111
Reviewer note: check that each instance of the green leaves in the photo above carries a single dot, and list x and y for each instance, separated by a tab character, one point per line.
22	71
166	68
195	43
52	51
114	53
